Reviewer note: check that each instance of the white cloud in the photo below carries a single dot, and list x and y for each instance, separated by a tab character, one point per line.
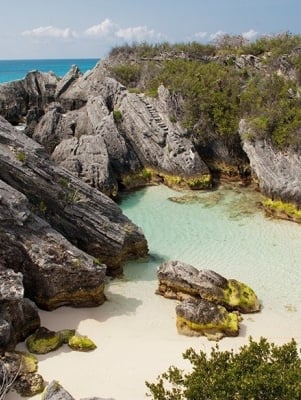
50	32
137	33
105	28
217	35
201	35
250	34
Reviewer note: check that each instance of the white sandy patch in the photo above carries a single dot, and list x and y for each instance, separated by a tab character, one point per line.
136	335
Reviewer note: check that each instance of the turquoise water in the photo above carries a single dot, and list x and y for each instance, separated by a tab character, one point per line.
225	231
11	70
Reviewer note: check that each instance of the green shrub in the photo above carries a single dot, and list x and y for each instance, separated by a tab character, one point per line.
273	107
259	371
127	74
117	116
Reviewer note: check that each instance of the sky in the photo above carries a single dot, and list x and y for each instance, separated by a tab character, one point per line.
37	29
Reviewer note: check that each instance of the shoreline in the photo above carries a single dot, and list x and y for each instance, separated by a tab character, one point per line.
136	343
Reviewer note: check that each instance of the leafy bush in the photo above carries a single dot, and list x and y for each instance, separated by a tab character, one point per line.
273	106
210	92
259	371
127	74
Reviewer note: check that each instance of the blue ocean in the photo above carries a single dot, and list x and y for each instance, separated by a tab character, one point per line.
11	70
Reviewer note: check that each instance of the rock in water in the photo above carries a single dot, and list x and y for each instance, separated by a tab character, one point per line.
178	280
201	317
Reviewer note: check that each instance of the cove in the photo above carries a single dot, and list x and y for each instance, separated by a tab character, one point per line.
135	330
223	230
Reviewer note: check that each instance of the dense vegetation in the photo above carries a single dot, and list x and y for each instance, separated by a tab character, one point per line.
214	87
259	371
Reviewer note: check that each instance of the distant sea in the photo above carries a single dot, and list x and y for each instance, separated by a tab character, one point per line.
11	70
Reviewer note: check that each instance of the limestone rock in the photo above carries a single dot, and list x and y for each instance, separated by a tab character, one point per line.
54	272
18	316
54	391
178	280
29	385
200	317
278	171
43	341
37	89
81	343
86	217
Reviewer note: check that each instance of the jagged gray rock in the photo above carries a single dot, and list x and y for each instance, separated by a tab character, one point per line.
201	317
178	280
85	105
36	90
18	316
86	217
278	171
55	272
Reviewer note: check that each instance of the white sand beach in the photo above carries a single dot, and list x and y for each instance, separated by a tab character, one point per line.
137	340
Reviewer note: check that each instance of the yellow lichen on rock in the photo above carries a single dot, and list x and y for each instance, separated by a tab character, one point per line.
81	343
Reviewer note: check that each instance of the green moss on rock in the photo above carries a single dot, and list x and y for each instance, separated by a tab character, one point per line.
239	296
29	363
66	334
81	343
282	210
225	324
43	341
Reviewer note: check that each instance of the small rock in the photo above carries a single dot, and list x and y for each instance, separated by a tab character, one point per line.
81	343
43	341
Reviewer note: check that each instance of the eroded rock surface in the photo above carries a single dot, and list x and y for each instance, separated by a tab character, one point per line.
201	317
178	280
85	216
18	316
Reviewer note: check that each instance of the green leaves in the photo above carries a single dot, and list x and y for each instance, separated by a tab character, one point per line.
259	371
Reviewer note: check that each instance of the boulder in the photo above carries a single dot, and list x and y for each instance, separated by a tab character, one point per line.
197	317
54	391
43	341
81	343
178	280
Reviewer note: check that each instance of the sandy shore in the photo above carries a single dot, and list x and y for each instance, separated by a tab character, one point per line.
137	340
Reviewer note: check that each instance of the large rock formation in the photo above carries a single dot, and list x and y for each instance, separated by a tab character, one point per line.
101	132
54	271
278	171
178	280
86	217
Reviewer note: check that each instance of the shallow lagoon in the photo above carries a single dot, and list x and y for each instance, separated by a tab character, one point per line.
223	230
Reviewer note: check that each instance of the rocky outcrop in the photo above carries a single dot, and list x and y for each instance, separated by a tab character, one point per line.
210	304
87	105
178	280
278	171
18	316
54	271
86	217
34	92
200	317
